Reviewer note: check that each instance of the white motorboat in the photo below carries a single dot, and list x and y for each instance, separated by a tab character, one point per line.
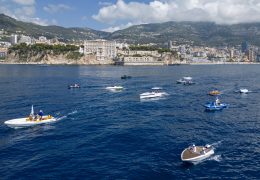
32	120
148	95
154	94
185	81
195	154
115	88
74	86
244	91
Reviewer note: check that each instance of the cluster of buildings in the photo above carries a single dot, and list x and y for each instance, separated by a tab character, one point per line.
193	54
120	53
179	54
18	39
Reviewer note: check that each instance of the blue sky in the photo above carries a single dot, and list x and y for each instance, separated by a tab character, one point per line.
111	15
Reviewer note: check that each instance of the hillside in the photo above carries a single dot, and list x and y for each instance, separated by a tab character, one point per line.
11	26
201	33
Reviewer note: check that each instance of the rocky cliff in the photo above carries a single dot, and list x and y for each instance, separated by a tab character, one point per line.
45	58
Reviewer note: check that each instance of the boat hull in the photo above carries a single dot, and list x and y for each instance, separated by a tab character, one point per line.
152	95
24	122
194	157
214	93
210	107
114	88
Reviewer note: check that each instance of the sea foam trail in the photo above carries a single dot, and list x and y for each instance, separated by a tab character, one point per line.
65	116
73	112
216	144
217	158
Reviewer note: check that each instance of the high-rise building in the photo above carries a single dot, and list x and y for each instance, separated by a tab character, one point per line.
14	39
251	55
170	45
231	53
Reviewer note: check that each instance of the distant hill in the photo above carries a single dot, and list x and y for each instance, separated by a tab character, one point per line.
12	25
201	33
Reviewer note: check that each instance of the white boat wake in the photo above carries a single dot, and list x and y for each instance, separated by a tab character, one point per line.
73	112
65	116
216	144
217	158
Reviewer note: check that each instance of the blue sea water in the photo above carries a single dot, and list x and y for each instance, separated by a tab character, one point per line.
106	135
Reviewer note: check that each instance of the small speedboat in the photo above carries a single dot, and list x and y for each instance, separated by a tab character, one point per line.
244	91
32	120
149	95
156	93
185	81
180	81
214	93
126	77
195	154
115	88
213	106
73	86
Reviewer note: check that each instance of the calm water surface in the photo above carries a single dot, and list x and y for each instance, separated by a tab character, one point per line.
105	135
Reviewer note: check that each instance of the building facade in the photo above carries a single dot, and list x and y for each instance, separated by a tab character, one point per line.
143	60
14	39
25	39
104	50
3	52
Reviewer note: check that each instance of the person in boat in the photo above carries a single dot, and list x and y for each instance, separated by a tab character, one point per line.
40	114
193	148
217	101
31	117
203	151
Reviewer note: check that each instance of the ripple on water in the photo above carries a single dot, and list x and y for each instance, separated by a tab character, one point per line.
104	135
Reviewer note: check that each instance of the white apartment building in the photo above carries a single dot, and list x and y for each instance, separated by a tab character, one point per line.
14	39
104	50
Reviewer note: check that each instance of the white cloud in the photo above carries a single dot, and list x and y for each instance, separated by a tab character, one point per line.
116	28
219	11
24	2
56	8
22	12
25	11
35	20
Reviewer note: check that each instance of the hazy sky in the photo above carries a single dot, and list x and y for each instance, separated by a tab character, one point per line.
112	15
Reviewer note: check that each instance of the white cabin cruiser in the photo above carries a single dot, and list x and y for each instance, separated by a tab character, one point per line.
32	120
244	91
115	88
195	154
185	81
156	93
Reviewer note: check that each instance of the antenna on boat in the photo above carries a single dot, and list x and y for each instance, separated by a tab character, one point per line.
32	111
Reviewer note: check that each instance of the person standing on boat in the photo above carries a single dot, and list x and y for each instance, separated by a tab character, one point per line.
217	101
40	114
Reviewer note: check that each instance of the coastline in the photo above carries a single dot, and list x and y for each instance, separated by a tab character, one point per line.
111	64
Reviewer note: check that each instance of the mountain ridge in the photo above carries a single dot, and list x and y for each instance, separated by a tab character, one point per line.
186	32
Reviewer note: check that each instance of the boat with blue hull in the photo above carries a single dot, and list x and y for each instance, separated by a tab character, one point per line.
213	106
